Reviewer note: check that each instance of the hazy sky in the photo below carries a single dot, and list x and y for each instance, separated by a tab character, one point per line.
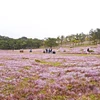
48	18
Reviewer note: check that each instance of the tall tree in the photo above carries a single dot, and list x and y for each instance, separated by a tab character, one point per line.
94	36
62	39
51	42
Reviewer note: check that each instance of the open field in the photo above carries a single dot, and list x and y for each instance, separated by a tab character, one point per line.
40	76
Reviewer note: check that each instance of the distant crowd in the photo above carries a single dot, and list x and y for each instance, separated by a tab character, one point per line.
49	51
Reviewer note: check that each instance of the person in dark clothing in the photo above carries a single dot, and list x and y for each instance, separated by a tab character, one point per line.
46	50
30	50
88	50
54	52
50	50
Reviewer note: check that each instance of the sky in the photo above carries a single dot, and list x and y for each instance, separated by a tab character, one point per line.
48	18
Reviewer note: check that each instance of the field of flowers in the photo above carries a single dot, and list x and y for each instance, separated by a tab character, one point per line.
40	76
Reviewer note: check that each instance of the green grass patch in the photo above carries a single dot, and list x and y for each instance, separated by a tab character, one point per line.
26	79
9	78
23	84
51	81
35	77
8	89
43	91
69	87
59	97
48	63
90	97
37	60
93	97
27	67
1	64
93	82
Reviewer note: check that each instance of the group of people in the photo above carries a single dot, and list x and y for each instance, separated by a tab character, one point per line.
49	51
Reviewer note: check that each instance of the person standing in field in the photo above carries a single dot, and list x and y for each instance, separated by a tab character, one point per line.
88	50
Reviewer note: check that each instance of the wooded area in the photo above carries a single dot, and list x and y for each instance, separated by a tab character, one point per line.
93	38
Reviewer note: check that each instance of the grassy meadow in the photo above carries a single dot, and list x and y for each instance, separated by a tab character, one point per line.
70	74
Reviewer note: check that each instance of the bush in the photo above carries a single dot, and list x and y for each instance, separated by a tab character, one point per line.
91	51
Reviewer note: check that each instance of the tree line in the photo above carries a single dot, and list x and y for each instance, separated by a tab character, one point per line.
93	37
21	43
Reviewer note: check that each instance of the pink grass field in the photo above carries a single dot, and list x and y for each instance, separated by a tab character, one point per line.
70	75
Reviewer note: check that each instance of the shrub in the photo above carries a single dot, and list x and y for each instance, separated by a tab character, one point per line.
91	51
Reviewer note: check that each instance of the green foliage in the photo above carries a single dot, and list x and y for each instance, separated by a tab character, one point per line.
9	78
1	64
37	60
92	97
73	40
59	97
50	42
27	67
95	35
89	97
70	86
24	42
91	51
8	89
48	63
